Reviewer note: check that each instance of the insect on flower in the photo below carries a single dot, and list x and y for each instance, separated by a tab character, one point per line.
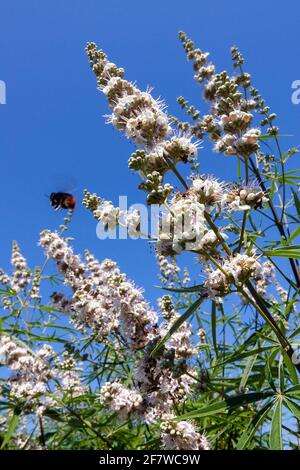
62	200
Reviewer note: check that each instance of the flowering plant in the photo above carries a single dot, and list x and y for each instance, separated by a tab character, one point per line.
215	365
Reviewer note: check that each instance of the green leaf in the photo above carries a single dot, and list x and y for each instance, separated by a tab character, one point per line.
295	333
239	174
276	426
11	428
296	201
182	289
293	392
238	357
214	326
177	324
291	368
55	415
292	251
294	235
76	423
270	136
272	190
293	407
227	404
258	419
247	370
268	370
281	373
289	177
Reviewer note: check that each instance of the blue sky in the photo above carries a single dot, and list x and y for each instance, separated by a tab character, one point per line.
52	130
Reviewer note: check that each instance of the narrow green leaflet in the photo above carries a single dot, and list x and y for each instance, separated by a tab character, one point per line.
296	201
294	235
293	392
182	289
289	177
293	407
177	324
243	355
214	327
250	431
11	428
292	251
247	370
270	136
276	426
291	368
227	404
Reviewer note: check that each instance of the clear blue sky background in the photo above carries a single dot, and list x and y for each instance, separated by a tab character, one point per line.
52	130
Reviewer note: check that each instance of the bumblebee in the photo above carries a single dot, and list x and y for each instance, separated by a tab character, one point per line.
62	201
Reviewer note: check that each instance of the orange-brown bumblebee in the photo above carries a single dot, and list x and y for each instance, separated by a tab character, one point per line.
62	201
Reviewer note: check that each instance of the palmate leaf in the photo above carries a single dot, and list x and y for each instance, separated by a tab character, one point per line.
276	426
177	324
226	405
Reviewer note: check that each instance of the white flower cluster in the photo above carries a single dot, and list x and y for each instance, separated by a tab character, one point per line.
142	118
69	264
179	343
138	114
161	381
181	148
132	221
68	372
34	374
211	192
104	300
232	144
4	278
111	216
266	278
21	276
107	214
237	269
182	226
166	379
182	435
32	371
244	198
169	270
208	189
120	399
35	288
230	119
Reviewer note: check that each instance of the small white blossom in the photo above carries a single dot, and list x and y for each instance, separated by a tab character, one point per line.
182	435
120	399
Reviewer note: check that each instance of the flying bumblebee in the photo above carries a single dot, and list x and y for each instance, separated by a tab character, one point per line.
62	201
